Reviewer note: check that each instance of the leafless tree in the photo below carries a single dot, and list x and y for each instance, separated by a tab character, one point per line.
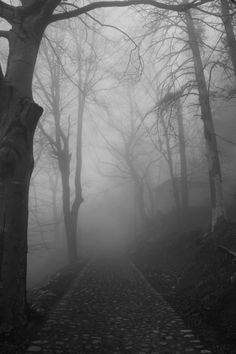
192	66
84	59
130	158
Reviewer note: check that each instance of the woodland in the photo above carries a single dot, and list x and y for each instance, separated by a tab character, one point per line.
121	113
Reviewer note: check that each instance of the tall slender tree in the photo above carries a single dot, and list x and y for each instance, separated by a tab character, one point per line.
188	70
84	61
214	169
183	159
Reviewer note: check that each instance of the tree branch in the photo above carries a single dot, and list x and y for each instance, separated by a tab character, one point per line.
50	139
35	6
4	34
100	4
7	12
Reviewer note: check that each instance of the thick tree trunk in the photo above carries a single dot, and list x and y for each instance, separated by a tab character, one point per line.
18	120
183	161
217	204
19	116
230	36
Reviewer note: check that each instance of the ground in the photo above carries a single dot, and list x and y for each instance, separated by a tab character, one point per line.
111	308
197	276
97	307
42	300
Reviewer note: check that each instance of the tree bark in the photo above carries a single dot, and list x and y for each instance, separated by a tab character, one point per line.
214	169
18	120
19	116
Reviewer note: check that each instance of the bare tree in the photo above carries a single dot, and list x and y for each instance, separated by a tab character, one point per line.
82	80
215	178
130	158
193	67
60	142
172	103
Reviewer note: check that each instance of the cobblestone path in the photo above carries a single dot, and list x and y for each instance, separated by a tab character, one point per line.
112	309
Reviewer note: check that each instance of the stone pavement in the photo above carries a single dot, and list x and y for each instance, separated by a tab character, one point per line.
112	309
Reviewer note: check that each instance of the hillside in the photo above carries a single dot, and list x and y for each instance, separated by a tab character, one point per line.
198	277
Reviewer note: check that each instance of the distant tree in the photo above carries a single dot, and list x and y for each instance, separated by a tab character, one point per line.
166	151
172	103
184	57
57	98
130	158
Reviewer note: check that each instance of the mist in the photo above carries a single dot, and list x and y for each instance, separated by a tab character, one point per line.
130	174
117	171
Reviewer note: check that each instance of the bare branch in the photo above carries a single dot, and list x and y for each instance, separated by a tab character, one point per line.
4	34
49	138
101	4
35	6
42	87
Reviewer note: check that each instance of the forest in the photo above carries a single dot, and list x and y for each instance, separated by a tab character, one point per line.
117	137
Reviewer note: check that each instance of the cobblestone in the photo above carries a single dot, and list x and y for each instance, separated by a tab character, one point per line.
110	309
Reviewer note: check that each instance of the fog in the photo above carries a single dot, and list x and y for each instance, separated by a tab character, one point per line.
109	71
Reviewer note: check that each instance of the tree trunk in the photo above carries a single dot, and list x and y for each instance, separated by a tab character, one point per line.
170	165
144	221
78	199
53	181
183	161
64	165
138	193
216	192
18	120
231	41
19	116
